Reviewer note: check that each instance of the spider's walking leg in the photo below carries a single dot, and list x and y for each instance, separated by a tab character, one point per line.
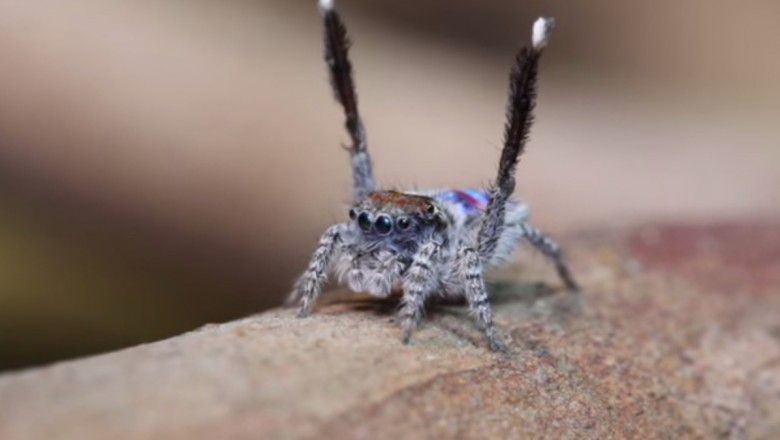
470	270
522	99
418	282
337	57
551	250
309	284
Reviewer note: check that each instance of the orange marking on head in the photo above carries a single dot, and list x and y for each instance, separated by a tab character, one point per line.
406	202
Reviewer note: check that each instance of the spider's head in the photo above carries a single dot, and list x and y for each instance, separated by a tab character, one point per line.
401	216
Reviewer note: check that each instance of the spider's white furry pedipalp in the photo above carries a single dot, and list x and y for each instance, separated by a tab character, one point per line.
542	30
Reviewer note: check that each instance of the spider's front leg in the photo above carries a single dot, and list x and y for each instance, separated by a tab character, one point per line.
418	282
309	284
469	271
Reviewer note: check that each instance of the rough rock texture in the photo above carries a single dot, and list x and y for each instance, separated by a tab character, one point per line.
676	335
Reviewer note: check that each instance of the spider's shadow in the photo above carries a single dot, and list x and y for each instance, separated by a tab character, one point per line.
521	297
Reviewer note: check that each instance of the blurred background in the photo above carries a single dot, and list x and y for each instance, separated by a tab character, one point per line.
165	164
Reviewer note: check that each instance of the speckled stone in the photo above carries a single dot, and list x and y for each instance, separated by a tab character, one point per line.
675	335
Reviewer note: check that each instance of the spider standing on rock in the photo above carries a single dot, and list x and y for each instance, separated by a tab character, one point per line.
428	242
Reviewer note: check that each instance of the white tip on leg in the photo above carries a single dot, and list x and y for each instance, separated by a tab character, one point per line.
326	5
541	33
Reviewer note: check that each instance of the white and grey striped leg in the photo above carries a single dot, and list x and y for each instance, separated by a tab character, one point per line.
551	250
418	282
470	271
309	284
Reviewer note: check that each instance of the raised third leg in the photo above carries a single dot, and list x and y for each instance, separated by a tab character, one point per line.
340	68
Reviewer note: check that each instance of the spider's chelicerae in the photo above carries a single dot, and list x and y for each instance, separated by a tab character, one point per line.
428	242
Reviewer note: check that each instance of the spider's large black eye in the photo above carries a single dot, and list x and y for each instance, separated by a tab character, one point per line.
404	223
352	214
364	221
431	209
383	224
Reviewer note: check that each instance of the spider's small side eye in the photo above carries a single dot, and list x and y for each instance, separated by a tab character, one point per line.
364	221
383	224
430	209
404	223
352	214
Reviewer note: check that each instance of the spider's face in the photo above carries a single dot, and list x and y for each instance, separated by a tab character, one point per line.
397	216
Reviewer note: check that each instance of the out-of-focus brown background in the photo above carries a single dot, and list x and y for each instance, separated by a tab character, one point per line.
164	164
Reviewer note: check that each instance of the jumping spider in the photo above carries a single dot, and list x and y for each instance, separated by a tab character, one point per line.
428	242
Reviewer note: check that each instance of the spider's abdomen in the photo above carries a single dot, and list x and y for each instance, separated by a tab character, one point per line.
468	199
469	204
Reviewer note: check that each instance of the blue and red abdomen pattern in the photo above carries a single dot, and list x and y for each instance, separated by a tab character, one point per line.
471	200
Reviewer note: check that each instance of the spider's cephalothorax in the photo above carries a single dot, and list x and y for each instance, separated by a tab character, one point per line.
427	243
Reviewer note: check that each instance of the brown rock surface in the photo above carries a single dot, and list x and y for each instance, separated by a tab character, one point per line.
676	335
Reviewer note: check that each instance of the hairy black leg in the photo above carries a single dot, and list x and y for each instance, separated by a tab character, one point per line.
551	250
522	99
337	57
309	284
470	271
418	283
